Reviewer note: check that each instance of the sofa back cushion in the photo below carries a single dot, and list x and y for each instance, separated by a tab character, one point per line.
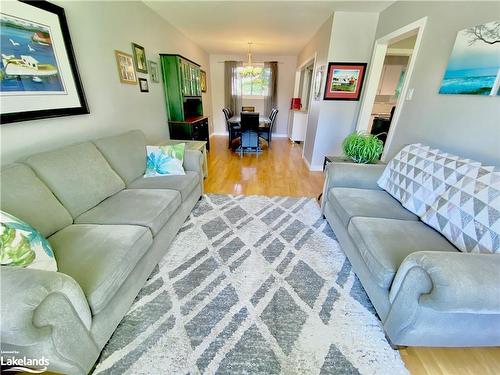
78	175
26	197
418	175
126	153
468	213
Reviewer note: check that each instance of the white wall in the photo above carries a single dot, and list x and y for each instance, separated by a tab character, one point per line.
286	79
97	29
466	125
318	46
347	37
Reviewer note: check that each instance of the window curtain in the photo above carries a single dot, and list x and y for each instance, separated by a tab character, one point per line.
232	93
270	100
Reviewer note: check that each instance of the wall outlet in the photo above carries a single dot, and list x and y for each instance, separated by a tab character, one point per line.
409	95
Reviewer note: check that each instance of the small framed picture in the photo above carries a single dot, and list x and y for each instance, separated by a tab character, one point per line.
143	85
125	66
140	58
203	81
344	81
153	71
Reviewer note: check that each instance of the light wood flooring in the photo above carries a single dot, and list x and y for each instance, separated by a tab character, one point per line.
281	171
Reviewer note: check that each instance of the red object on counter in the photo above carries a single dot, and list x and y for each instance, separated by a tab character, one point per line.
296	104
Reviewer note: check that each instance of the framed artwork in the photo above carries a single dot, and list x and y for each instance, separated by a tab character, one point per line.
474	64
125	65
39	77
318	82
153	71
203	81
344	81
143	85
140	58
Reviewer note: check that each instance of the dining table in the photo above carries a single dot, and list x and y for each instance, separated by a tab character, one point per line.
263	120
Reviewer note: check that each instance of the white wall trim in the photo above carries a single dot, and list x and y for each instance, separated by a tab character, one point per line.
377	64
312	168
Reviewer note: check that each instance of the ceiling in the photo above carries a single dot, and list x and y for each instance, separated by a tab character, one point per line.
274	27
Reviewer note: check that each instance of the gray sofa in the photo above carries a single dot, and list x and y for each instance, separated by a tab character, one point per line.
425	291
108	227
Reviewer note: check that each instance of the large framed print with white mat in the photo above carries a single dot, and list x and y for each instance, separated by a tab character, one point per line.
39	77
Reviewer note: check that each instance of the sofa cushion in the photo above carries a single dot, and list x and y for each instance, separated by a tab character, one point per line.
350	202
183	184
417	175
468	213
126	153
100	257
150	208
385	243
78	175
26	197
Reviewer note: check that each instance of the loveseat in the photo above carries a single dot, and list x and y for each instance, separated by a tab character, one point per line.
425	291
108	226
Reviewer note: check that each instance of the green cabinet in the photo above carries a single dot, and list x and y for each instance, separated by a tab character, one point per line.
181	78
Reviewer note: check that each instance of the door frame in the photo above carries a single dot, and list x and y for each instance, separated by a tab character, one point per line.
374	76
313	59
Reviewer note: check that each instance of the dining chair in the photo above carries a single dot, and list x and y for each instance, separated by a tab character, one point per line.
234	130
249	131
266	131
248	108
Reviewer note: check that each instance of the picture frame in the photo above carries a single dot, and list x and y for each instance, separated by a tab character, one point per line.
140	60
125	66
154	72
344	81
203	81
143	85
318	82
40	77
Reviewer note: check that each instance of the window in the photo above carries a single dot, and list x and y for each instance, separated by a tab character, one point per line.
253	85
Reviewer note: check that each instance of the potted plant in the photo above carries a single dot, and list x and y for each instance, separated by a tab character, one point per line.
363	148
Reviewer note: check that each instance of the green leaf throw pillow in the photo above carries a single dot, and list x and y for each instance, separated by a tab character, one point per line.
21	245
165	160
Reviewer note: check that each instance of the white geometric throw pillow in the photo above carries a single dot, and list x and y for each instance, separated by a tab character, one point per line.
468	213
417	175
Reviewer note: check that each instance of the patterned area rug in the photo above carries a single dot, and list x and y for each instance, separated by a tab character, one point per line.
252	285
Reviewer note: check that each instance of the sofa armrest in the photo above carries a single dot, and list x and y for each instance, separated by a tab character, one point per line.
193	161
46	313
351	175
450	282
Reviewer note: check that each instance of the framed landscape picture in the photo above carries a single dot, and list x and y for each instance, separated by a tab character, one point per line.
474	64
344	81
153	71
203	81
140	58
125	65
39	77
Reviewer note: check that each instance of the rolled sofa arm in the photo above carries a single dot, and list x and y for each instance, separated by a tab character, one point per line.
351	175
46	314
193	161
445	299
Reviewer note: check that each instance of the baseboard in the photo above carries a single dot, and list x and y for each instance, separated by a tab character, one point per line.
280	135
219	134
312	168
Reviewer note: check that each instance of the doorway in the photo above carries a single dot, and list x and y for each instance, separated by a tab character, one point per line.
392	64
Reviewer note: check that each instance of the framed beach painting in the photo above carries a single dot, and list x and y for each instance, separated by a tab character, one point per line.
140	58
474	64
39	77
344	81
125	65
153	71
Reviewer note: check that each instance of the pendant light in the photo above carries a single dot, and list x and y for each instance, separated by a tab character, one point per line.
248	69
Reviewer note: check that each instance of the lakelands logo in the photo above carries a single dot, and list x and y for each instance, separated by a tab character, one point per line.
11	363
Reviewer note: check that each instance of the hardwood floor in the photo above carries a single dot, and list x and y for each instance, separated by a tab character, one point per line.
281	171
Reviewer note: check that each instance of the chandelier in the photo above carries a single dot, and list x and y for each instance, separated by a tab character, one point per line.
249	70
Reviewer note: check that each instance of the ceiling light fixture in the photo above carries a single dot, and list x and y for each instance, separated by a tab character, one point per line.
248	68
